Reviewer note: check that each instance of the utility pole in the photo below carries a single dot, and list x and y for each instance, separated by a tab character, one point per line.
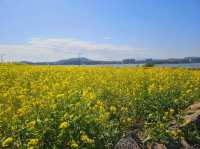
76	55
2	56
79	58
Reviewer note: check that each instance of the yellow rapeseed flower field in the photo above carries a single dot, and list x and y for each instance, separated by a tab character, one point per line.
91	107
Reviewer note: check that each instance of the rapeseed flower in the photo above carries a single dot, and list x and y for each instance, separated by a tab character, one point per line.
64	125
31	124
74	144
86	139
33	142
7	142
113	109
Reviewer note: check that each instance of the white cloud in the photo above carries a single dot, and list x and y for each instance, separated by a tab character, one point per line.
51	49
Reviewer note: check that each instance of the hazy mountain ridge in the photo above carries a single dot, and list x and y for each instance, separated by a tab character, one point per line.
86	61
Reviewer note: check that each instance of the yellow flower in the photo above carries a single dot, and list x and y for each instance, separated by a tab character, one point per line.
171	110
113	109
178	131
174	133
86	139
33	142
128	120
99	103
21	97
152	89
88	94
31	124
7	142
166	113
22	111
74	144
64	125
124	109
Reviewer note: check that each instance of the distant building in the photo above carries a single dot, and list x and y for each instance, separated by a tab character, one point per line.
128	61
193	59
149	60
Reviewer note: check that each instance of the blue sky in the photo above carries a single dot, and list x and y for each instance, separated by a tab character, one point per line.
47	30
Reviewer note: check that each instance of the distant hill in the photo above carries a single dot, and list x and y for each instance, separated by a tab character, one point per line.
86	61
74	61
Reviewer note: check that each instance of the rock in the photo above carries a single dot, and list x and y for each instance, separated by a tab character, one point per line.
132	141
196	146
194	107
158	146
184	144
192	115
128	142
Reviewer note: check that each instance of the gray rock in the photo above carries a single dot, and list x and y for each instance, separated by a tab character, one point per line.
127	143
